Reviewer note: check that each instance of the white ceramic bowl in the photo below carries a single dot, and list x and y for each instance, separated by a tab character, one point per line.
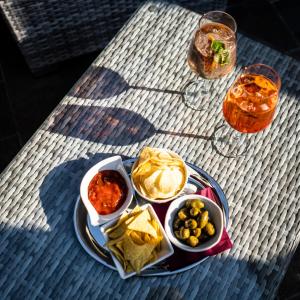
215	214
112	163
165	251
186	186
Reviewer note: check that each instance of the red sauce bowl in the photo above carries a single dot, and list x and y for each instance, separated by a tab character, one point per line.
106	190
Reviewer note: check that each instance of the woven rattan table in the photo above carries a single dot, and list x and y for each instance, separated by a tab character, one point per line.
128	98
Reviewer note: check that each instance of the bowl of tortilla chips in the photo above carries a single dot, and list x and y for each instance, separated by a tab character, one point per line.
136	241
159	175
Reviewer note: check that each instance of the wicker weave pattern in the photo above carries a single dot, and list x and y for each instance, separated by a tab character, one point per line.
51	31
128	99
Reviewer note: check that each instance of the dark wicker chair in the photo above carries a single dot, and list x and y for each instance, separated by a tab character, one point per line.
50	31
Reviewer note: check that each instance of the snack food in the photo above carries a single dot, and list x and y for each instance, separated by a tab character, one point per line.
135	239
192	224
107	191
159	174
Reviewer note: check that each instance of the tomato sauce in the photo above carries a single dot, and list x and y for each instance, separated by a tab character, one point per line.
107	191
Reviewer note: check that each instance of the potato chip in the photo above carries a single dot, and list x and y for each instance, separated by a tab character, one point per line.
142	188
164	155
159	174
135	239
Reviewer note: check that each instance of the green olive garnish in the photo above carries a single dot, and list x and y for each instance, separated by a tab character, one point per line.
192	224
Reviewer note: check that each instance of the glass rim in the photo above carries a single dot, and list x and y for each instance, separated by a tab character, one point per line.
266	67
221	12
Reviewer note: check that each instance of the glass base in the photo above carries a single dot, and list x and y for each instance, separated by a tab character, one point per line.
197	95
229	142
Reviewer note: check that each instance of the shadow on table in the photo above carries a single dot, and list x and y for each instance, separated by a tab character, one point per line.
103	83
29	248
100	83
107	125
65	180
49	256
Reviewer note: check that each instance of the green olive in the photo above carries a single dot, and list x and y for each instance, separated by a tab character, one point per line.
197	204
184	233
190	223
177	234
188	203
210	229
203	219
196	232
199	217
183	214
177	223
193	241
203	237
194	211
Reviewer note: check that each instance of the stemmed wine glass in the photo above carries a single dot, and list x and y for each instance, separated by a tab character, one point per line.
211	55
249	106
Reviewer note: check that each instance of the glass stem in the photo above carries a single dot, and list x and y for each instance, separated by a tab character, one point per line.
229	142
196	94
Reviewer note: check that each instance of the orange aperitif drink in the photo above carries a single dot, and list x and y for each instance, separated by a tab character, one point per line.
249	106
250	103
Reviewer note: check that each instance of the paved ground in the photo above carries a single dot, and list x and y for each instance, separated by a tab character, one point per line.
27	100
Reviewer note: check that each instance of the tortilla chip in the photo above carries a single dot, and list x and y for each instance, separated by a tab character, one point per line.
119	246
137	237
137	255
120	257
141	223
122	219
125	217
117	232
134	240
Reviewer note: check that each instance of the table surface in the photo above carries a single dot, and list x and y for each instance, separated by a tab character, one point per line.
131	97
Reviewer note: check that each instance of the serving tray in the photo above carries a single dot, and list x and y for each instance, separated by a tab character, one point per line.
91	239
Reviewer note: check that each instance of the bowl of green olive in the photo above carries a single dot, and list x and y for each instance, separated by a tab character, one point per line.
194	223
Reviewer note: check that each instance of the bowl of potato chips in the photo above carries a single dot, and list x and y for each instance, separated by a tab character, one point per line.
136	240
159	175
